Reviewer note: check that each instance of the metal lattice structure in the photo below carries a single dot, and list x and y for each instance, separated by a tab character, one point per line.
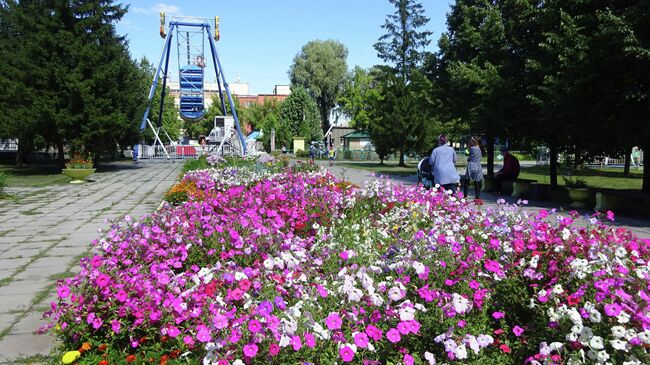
190	34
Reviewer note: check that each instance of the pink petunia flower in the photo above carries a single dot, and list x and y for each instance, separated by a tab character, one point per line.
393	335
63	291
408	359
296	343
346	354
517	331
274	349
333	321
250	350
613	309
374	332
403	328
254	326
498	315
203	333
310	341
361	340
188	340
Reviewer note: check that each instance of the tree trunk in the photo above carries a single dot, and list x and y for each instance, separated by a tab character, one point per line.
61	154
21	155
576	159
626	167
401	157
325	121
646	171
553	165
490	156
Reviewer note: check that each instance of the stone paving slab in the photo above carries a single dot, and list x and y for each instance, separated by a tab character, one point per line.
42	234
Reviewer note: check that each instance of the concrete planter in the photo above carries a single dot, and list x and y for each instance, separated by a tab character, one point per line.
579	197
78	176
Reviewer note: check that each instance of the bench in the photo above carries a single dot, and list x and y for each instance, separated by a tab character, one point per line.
521	187
518	188
631	202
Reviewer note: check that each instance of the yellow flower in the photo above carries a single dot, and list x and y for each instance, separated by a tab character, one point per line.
70	356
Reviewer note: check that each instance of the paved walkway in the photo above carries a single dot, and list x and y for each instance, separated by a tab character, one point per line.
45	231
358	176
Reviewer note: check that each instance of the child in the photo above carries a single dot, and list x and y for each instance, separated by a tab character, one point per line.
332	155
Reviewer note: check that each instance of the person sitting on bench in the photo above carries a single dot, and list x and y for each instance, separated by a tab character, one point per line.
509	171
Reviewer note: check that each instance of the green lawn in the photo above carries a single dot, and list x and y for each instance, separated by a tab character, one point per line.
34	175
610	178
388	168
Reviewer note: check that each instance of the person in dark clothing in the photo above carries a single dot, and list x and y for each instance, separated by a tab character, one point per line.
509	171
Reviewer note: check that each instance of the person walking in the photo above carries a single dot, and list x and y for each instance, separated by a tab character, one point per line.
474	170
332	155
443	160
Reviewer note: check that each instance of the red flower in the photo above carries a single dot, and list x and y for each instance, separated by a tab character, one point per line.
505	348
573	300
103	362
130	358
211	288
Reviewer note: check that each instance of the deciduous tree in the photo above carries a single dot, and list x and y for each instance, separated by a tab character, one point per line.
320	68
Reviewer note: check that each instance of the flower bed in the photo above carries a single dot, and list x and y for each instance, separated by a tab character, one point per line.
293	266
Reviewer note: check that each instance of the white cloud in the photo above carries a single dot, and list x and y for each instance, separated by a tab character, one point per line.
167	8
156	9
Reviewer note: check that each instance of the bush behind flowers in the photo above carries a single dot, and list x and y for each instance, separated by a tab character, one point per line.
272	265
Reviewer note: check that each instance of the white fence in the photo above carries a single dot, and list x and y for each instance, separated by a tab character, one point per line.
9	145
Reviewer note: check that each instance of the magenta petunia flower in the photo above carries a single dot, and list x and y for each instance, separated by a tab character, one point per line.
346	354
374	332
121	296
361	340
613	309
517	331
250	350
403	328
115	326
296	343
220	321
203	333
274	349
498	315
310	340
173	331
254	326
188	340
63	291
393	335
103	280
408	359
333	321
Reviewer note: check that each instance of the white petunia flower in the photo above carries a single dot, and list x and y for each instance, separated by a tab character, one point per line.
461	352
484	340
460	303
618	331
596	343
430	358
395	294
619	345
623	317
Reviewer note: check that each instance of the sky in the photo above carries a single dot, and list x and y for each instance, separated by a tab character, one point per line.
260	38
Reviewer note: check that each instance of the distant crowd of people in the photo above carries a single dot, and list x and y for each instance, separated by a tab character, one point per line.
442	167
